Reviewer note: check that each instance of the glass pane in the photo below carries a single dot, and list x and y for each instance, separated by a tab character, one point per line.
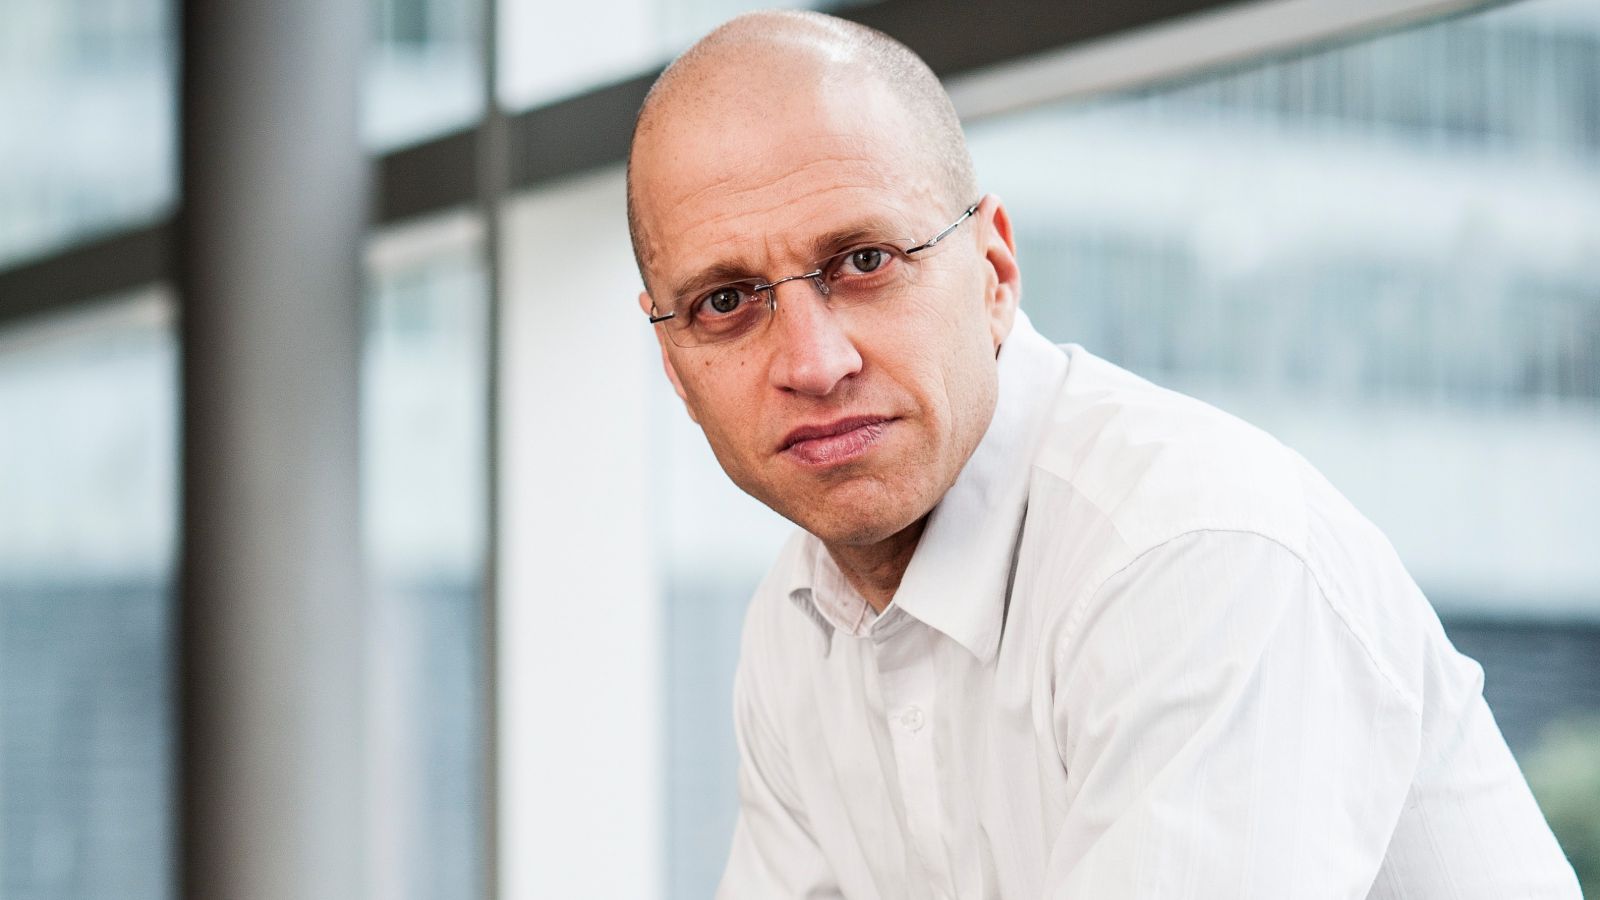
708	584
549	50
88	460
424	75
679	552
87	97
423	447
1388	255
580	612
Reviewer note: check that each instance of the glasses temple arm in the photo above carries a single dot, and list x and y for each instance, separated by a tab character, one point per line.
946	232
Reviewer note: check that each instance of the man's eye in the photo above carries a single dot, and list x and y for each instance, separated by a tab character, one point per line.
722	301
867	259
860	261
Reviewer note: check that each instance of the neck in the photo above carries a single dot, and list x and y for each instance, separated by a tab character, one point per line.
875	570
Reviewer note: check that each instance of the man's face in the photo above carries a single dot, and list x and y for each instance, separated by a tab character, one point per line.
851	422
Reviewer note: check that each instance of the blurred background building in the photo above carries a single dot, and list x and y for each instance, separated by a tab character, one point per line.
1372	229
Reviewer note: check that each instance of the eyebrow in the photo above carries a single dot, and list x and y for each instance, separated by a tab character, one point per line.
718	274
821	247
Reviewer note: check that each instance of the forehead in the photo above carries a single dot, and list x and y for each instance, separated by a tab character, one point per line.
755	175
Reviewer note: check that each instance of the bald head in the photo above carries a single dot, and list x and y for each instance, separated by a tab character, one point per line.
769	64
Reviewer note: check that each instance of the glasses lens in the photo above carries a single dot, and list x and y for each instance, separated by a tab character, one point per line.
870	273
718	315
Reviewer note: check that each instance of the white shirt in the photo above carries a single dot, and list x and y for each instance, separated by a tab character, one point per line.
1142	651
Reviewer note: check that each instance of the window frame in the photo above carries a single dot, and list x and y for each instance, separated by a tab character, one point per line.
996	57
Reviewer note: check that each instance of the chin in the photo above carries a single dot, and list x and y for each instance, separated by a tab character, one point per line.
856	533
859	518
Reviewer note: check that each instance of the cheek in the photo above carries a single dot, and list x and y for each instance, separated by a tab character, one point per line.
957	370
949	347
724	403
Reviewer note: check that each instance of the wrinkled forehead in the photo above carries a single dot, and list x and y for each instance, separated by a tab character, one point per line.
770	162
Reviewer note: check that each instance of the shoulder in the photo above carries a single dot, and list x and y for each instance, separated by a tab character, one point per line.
1137	478
1152	464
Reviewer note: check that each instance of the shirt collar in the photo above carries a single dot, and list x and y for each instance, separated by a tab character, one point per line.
958	576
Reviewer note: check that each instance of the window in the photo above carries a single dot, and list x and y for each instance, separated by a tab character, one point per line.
424	72
1384	253
580	602
87	95
551	50
88	460
627	561
424	402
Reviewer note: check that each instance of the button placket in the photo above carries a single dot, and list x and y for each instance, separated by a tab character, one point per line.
906	677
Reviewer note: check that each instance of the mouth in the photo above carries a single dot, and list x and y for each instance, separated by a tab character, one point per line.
834	442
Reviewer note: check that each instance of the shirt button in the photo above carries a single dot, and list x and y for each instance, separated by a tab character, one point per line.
912	719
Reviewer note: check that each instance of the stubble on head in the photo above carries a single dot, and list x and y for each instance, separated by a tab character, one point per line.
721	72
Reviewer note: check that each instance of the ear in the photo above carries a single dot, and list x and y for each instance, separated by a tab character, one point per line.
1003	288
666	357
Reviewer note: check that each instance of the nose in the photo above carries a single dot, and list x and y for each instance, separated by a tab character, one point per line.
814	353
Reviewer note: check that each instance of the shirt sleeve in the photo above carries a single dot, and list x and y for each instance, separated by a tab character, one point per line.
1225	734
773	853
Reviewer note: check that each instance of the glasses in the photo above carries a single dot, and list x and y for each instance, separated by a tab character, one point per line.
865	273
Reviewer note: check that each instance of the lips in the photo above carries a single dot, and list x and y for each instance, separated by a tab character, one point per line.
833	442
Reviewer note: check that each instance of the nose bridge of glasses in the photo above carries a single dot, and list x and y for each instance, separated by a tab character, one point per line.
771	288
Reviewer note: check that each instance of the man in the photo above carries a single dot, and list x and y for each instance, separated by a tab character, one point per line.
1048	630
